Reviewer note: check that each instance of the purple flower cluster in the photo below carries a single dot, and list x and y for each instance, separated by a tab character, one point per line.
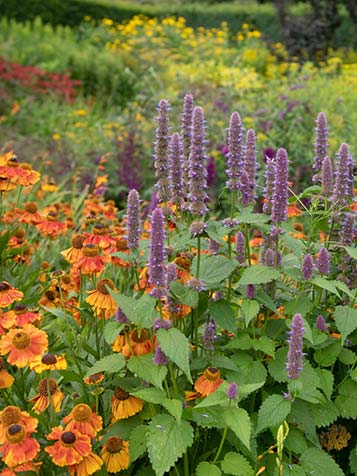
343	190
323	261
240	247
162	151
235	152
175	169
250	163
327	177
269	184
157	272
321	143
133	219
307	268
295	341
280	193
209	335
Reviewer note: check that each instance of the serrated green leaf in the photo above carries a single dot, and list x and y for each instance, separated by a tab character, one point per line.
213	232
174	407
258	274
323	283
208	417
140	311
250	309
152	395
264	344
344	288
323	413
328	355
277	366
237	420
222	362
176	346
167	441
293	244
184	294
326	379
207	469
318	463
347	356
293	470
236	464
352	251
144	367
346	320
346	400
111	331
300	306
137	442
301	417
295	441
218	397
222	312
214	269
246	389
252	218
110	364
273	412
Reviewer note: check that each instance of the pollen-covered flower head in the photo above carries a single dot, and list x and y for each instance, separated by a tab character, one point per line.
70	447
115	454
83	419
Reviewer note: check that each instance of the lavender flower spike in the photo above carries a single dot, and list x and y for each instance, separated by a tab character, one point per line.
232	391
198	165
240	247
343	190
307	268
209	335
186	134
157	272
162	151
280	194
175	169
235	152
320	323
323	261
348	230
327	177
250	163
321	143
244	187
295	354
133	219
269	185
160	358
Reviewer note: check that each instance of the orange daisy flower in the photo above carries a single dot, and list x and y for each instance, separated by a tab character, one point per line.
91	262
23	345
94	379
293	210
43	400
12	415
48	362
84	420
19	448
9	294
30	215
6	380
100	237
124	405
51	226
90	464
70	447
13	171
7	320
101	301
30	178
139	344
208	382
22	315
119	342
6	185
121	246
115	454
23	468
73	254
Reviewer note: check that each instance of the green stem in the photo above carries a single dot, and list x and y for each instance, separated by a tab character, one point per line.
224	434
198	257
186	464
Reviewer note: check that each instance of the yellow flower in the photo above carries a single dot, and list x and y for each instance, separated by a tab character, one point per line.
80	112
56	136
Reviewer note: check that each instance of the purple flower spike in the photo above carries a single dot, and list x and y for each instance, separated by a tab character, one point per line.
209	335
250	163
133	219
327	177
232	391
250	291
280	194
162	324
348	230
269	257
244	187
320	323
175	165
198	165
321	143
213	247
295	354
235	152
343	190
162	151
323	261
186	135
240	247
307	268
269	185
160	358
157	274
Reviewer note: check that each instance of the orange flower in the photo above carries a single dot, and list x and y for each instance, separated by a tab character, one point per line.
6	380
73	254
12	415
122	247
139	344
50	226
90	464
19	448
8	294
94	379
48	362
23	345
31	177
293	210
6	185
43	400
30	215
22	315
100	237
208	382
7	320
115	454
23	468
101	301
119	342
84	420
13	171
91	262
124	405
70	447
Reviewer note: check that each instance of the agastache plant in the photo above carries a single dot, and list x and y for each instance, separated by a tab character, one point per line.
186	136
198	165
175	169
235	152
323	261
269	185
327	177
133	219
295	354
279	211
162	151
343	190
157	272
321	143
250	163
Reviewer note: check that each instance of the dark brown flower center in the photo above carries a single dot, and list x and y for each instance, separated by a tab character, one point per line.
31	207
20	308
77	241
99	229
121	394
114	444
139	338
90	250
68	437
82	412
122	244
15	433
49	359
10	415
101	286
4	286
47	384
21	340
50	295
52	216
212	374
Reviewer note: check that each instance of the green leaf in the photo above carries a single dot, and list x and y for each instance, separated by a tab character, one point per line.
176	346
328	355
344	288
222	362
301	306
152	395
326	379
323	283
144	367
214	269
110	364
294	245
295	441
293	470
137	442
167	441
208	417
140	311
252	218
236	464
347	356
218	397
353	460
346	320
265	345
237	420
318	463
258	274
273	412
184	294
207	469
324	413
111	331
250	309
277	366
352	251
346	400
246	389
212	231
174	407
222	312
